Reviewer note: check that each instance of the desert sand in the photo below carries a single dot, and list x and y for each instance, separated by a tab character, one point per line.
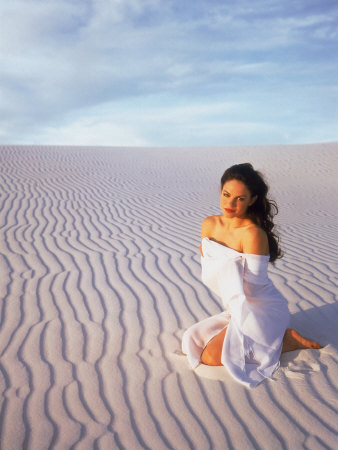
100	277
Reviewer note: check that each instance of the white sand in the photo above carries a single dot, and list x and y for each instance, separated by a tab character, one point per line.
100	276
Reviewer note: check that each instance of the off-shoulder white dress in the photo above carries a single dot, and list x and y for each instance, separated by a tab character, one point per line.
255	314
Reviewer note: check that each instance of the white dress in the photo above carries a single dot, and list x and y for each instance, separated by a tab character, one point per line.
255	314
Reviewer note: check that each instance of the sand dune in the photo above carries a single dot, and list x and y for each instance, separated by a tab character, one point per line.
100	276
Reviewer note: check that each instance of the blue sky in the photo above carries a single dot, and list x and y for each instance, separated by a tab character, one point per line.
163	73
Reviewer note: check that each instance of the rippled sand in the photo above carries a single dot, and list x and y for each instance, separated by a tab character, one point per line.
100	276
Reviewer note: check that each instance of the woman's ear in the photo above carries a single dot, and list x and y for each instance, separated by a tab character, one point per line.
252	201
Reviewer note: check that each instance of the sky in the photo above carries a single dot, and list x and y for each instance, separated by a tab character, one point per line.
168	72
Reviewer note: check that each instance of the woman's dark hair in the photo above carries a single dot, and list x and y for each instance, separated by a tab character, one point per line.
262	211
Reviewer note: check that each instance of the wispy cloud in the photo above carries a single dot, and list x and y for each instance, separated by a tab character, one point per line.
73	70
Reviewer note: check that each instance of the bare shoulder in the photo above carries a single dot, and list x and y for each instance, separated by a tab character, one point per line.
255	240
208	225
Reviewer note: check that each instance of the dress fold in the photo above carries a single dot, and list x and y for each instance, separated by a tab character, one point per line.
255	314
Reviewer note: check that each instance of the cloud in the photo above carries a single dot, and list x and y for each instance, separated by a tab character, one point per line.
152	123
91	131
63	60
132	123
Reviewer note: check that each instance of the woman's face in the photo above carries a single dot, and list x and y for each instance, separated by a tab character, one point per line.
235	199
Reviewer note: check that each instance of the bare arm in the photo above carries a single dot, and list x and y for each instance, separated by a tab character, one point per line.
206	228
255	241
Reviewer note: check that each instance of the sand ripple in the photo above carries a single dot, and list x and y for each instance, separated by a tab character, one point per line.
100	276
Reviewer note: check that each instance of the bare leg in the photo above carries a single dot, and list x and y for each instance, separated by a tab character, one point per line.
294	341
212	353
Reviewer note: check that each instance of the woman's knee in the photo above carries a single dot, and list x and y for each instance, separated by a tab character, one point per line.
212	353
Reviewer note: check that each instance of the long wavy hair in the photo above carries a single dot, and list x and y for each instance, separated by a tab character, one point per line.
262	211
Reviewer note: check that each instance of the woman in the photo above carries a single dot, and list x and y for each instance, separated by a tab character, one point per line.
236	247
